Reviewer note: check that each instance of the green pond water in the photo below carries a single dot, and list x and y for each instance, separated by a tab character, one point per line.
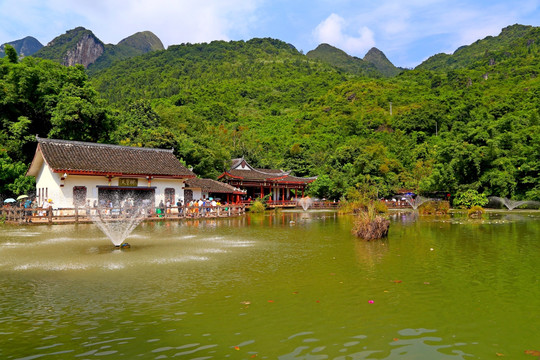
261	287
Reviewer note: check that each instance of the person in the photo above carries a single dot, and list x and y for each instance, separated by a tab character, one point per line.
180	207
46	206
34	206
28	210
161	208
168	204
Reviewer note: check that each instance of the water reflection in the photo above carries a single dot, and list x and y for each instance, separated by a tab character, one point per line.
262	287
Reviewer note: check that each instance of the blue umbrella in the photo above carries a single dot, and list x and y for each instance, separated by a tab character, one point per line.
9	200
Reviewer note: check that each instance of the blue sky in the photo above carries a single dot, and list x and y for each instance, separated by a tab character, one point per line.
407	31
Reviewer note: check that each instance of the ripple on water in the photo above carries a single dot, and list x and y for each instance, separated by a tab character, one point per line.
179	259
50	267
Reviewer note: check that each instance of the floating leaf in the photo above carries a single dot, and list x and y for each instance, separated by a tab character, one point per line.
270	301
532	352
398	281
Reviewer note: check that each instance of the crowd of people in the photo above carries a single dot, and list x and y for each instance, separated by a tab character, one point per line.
204	207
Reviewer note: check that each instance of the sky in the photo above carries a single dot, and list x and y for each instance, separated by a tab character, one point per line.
407	31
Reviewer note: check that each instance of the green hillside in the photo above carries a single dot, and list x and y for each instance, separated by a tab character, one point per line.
57	49
473	127
341	60
134	45
517	42
386	68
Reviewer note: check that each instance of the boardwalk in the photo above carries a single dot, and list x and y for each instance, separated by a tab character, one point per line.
16	215
83	215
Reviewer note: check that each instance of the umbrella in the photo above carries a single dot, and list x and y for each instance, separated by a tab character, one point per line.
22	197
10	200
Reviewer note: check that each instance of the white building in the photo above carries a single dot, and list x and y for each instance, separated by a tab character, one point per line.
78	173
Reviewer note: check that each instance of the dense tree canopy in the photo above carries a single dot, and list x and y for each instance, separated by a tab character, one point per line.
441	128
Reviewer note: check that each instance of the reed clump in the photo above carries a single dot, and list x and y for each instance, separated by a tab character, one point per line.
371	223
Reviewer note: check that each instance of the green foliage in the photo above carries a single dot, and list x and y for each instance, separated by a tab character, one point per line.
13	180
471	123
257	206
470	198
11	54
59	46
475	212
136	44
341	60
434	208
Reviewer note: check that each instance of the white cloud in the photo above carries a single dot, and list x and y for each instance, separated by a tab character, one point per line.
173	21
333	30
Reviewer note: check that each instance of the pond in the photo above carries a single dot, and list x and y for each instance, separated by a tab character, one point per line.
283	285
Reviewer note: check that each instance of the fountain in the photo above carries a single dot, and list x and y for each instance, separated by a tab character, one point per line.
117	222
305	203
512	204
415	202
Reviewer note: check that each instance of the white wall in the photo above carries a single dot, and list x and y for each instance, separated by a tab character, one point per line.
62	196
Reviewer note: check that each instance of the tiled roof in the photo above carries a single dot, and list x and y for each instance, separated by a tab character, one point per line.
255	174
268	176
212	186
250	173
83	157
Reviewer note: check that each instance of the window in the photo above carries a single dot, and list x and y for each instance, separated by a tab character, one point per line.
169	195
79	195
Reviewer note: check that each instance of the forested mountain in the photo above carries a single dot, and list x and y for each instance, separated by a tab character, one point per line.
136	44
386	68
343	61
475	126
514	42
374	64
77	46
81	46
24	47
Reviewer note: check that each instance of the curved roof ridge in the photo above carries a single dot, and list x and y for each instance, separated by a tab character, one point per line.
90	144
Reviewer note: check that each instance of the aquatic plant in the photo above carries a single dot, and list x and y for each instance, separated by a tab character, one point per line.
257	207
370	224
475	212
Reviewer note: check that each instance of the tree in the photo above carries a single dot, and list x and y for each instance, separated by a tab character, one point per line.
11	54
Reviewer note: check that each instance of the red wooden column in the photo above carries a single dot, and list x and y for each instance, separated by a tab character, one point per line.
262	191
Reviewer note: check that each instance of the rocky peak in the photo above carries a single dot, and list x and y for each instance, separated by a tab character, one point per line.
86	51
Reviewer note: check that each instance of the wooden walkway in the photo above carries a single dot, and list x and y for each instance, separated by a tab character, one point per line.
16	215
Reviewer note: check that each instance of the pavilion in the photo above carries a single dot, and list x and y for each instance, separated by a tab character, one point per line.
258	183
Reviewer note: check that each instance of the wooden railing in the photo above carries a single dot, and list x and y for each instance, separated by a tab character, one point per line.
319	204
84	214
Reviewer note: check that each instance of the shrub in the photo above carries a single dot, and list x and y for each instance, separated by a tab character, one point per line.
434	208
470	198
257	207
